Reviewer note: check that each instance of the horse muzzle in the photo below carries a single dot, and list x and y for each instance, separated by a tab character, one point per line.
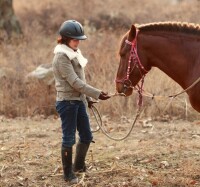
123	88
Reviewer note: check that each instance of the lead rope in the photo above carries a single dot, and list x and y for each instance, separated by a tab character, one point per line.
140	103
126	136
188	88
133	124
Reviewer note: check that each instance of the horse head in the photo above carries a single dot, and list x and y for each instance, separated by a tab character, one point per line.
172	47
130	70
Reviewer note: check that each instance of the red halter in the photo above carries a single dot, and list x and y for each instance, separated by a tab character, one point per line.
134	58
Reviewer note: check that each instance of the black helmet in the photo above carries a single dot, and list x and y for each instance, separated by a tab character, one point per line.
72	29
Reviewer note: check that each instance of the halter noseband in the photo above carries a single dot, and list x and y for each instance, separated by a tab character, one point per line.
134	58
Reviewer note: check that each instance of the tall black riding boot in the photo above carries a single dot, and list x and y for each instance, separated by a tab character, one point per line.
66	153
79	162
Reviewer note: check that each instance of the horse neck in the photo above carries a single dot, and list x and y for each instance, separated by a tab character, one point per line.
170	54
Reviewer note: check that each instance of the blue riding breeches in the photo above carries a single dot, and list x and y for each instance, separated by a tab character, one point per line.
74	116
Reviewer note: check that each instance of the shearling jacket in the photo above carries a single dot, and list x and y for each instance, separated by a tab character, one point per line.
69	77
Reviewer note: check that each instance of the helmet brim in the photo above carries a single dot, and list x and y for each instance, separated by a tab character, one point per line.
79	37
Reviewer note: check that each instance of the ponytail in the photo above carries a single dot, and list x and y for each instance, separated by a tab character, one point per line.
63	40
59	40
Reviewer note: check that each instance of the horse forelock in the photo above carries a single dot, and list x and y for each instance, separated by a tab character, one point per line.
183	27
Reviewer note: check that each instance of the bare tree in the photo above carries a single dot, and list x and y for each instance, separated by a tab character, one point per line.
8	21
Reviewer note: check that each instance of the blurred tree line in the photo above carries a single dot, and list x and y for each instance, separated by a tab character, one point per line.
9	25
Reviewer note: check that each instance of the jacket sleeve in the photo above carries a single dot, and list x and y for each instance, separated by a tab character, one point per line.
67	72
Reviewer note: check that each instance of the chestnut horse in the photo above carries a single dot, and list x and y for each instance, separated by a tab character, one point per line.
172	47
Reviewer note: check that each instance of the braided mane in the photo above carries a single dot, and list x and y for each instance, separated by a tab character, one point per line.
182	27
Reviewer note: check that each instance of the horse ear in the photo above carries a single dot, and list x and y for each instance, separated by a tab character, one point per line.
132	33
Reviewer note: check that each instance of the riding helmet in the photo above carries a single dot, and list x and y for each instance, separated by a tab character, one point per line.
72	29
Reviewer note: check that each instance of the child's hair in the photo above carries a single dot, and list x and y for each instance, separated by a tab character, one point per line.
63	40
59	40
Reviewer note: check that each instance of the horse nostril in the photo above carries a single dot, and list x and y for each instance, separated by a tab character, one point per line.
127	83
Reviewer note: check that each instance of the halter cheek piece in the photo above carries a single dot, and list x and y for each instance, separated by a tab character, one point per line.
133	58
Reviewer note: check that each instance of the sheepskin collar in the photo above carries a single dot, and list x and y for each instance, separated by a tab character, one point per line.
61	48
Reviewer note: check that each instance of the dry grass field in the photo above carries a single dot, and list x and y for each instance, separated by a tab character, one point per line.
160	153
163	150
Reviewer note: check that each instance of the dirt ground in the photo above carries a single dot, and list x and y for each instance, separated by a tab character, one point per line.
157	153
